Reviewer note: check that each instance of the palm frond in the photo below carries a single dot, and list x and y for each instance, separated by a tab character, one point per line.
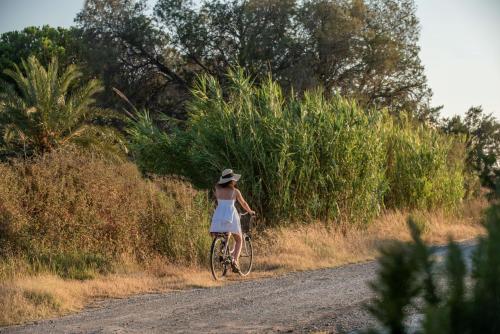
48	107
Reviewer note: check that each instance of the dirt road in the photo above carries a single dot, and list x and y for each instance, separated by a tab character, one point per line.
329	300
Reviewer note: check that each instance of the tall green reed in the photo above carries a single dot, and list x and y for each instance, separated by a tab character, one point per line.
301	159
425	168
305	158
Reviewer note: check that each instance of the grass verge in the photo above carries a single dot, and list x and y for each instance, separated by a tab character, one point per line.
25	296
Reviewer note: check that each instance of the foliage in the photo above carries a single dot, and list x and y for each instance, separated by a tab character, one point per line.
362	49
451	310
485	303
151	148
44	43
482	133
74	265
302	158
76	213
396	286
128	51
48	108
425	169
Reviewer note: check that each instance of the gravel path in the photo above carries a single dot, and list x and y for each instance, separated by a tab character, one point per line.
329	300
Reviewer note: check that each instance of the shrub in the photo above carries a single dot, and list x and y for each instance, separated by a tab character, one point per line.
12	216
74	213
407	272
425	169
178	221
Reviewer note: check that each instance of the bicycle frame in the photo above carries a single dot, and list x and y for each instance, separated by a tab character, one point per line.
222	253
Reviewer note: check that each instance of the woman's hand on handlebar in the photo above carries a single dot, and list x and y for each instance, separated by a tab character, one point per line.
250	212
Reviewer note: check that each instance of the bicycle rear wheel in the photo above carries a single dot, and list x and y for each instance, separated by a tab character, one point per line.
246	256
219	258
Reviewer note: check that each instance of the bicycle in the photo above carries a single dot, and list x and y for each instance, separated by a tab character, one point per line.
222	247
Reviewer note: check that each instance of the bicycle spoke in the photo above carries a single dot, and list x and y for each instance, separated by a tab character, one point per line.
246	256
218	259
221	259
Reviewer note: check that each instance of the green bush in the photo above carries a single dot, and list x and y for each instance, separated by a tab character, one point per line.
309	158
425	168
407	272
304	158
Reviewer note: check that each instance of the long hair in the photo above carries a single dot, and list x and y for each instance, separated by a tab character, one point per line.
229	183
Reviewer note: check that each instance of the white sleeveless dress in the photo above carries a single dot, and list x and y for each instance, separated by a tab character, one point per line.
226	218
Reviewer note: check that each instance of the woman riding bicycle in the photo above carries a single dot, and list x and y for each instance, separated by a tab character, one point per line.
226	218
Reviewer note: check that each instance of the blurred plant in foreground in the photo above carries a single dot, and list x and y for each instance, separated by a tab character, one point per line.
408	278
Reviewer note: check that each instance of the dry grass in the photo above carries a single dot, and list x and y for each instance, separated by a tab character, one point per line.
24	297
45	295
76	212
319	246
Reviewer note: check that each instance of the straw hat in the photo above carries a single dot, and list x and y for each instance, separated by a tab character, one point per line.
228	175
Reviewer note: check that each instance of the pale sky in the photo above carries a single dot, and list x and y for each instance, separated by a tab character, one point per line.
460	49
460	41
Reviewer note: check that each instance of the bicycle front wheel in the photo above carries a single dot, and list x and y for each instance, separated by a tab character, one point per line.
219	258
246	256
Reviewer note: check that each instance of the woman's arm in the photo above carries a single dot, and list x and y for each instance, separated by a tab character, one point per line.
243	203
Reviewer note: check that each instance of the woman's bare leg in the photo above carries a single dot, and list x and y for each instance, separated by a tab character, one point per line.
237	246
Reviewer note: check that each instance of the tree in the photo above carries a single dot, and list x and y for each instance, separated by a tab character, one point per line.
482	135
46	109
42	42
363	49
257	35
128	51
